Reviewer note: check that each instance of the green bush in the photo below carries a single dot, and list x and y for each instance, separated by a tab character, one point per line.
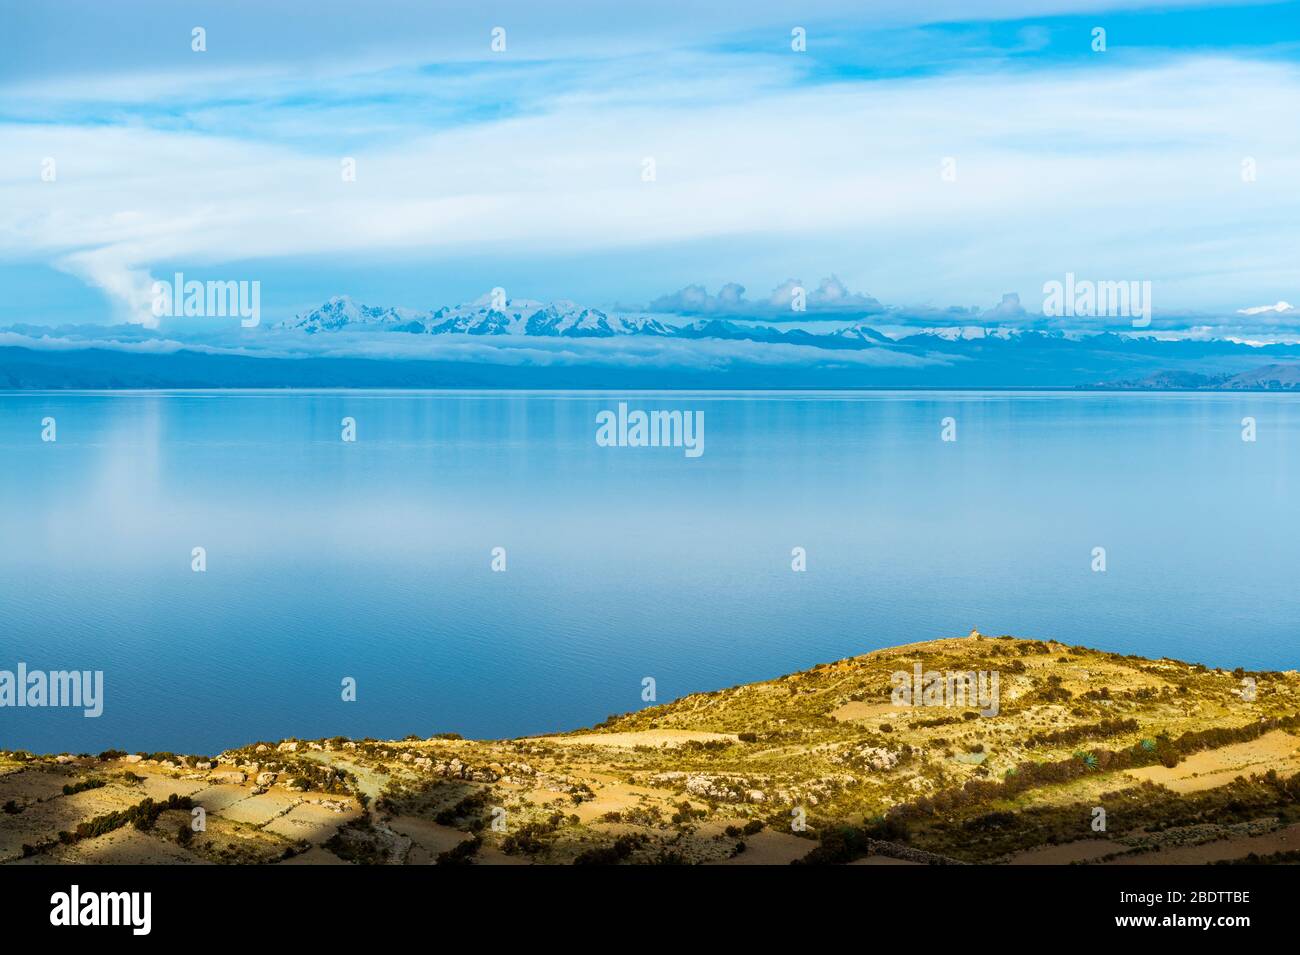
71	789
462	853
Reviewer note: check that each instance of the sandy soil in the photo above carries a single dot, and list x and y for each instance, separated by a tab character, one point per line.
1067	852
1283	840
1276	750
27	787
883	860
771	848
219	798
260	810
618	797
160	787
315	856
312	820
125	846
428	838
46	819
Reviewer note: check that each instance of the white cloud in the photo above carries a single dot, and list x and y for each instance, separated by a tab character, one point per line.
1117	172
1280	307
830	295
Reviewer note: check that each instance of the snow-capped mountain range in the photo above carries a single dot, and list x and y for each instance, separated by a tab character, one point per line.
566	319
381	347
515	317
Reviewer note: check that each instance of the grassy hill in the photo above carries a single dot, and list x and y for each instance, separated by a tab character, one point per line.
1088	757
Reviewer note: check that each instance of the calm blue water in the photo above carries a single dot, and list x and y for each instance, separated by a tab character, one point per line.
372	560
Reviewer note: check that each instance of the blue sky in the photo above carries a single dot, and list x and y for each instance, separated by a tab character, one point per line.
524	168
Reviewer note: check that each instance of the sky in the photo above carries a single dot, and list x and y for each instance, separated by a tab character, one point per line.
924	154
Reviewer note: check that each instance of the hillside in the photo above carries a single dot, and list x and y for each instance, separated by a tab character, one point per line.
1188	764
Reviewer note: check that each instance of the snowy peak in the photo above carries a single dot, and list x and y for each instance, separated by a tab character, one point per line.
484	316
969	333
567	320
341	312
713	328
490	316
863	333
562	319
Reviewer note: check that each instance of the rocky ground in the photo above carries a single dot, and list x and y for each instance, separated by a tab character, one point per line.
1091	758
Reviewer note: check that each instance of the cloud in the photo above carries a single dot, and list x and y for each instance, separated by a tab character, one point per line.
128	287
1280	307
239	171
1007	310
831	298
73	39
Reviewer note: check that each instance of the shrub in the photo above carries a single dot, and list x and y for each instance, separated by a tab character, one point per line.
71	789
462	853
622	847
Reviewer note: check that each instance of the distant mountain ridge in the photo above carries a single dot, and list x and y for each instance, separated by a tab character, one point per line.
562	319
1274	377
346	344
567	319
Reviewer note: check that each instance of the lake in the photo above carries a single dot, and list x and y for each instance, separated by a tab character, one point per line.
373	559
